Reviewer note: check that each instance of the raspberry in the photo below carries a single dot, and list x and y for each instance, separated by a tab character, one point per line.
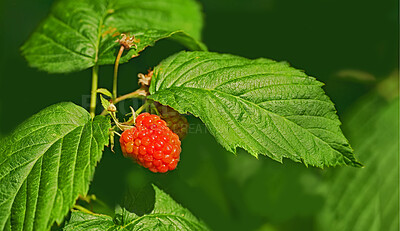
151	143
177	123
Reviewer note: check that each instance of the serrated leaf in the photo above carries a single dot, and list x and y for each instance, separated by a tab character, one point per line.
79	34
263	106
367	198
46	163
105	103
167	215
104	92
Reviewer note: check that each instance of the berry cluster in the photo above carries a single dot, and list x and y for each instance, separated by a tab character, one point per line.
151	143
176	122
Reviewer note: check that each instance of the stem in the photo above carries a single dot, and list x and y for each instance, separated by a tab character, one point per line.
136	94
93	95
82	209
121	50
92	198
153	107
144	106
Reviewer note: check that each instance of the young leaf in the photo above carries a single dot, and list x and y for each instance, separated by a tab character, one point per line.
167	215
79	34
105	103
104	92
368	198
46	163
263	106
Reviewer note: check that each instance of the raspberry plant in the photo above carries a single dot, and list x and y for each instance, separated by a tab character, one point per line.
263	106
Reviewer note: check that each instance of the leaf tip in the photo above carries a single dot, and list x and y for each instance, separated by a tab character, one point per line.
357	164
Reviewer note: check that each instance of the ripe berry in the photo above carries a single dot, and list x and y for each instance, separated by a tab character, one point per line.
151	143
176	122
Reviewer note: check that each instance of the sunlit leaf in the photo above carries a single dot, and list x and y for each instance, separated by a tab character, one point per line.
46	163
166	215
79	34
263	106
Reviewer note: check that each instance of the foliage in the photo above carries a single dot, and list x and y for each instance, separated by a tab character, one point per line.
367	199
260	105
81	34
166	215
47	163
263	106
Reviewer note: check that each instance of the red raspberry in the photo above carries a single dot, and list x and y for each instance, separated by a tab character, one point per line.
152	144
176	122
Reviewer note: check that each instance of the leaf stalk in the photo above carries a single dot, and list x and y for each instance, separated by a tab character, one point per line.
139	93
115	81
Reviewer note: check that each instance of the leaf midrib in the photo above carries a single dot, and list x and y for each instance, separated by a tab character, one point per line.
69	26
100	30
34	161
254	104
289	121
46	126
63	46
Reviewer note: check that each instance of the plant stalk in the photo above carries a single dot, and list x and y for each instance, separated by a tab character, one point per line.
136	94
83	209
144	106
115	82
93	95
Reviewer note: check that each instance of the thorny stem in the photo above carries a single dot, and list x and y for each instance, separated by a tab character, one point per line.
115	82
93	95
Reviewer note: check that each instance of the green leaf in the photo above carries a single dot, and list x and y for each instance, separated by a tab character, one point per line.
263	106
166	215
105	103
367	198
46	163
104	92
79	34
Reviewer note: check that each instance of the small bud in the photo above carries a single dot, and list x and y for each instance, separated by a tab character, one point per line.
112	108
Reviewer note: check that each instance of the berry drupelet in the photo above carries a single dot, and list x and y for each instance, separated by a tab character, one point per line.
152	144
176	122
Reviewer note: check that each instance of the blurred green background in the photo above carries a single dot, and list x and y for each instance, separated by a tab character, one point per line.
352	46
